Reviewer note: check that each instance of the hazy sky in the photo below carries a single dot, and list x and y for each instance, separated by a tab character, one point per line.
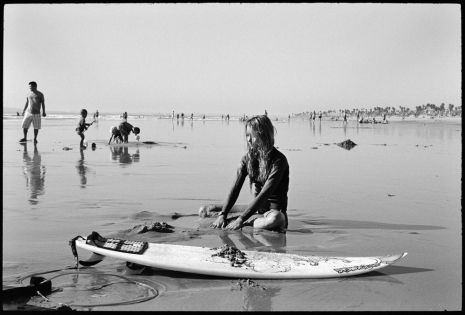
232	58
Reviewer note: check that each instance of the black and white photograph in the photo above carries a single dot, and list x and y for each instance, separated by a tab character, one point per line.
227	157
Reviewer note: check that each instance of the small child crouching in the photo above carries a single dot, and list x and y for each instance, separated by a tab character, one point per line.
125	129
120	135
115	135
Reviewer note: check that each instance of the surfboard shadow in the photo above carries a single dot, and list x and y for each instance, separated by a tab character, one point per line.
396	270
371	277
146	215
152	271
387	274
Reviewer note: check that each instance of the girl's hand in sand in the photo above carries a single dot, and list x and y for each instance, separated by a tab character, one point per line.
219	222
235	225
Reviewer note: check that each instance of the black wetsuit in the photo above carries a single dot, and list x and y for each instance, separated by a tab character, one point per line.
270	194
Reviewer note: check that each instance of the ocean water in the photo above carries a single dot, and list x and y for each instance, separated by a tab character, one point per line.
398	190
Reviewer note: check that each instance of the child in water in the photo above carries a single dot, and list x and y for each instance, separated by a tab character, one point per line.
121	133
125	129
268	171
115	135
82	126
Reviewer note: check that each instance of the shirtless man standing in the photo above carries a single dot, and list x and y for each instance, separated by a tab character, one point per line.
33	102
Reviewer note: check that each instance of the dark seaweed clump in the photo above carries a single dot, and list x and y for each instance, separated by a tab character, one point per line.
162	227
235	256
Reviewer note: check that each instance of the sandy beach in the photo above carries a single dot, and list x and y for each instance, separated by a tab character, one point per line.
398	190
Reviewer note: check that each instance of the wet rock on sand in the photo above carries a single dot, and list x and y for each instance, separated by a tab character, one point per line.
347	144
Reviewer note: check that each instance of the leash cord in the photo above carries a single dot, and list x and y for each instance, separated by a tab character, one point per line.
153	292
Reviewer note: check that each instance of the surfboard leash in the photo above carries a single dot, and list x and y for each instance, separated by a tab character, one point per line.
152	291
72	243
37	281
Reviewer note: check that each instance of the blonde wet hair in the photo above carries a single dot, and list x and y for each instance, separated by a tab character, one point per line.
257	157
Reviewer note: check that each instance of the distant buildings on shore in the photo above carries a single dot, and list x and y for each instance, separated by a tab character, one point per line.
428	109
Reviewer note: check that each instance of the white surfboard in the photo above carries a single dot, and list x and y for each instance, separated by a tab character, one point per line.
256	265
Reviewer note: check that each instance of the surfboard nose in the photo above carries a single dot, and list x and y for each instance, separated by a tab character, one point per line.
392	258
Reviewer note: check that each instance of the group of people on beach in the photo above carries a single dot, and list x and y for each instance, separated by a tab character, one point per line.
35	101
371	121
121	133
266	167
314	115
344	117
177	116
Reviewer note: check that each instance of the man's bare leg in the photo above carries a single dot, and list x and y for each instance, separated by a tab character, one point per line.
25	135
36	132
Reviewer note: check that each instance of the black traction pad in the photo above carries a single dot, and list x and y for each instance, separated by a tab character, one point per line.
125	246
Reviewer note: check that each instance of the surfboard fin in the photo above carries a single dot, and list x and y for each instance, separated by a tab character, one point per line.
133	269
92	260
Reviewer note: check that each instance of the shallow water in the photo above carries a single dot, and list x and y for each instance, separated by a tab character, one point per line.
398	190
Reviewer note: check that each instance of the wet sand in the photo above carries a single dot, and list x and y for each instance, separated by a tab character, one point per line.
397	191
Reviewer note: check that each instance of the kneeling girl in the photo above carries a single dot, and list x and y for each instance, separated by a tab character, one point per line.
268	171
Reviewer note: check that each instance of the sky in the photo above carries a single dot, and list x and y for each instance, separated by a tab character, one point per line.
232	58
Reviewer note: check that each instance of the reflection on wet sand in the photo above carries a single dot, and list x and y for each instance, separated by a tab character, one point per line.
250	239
34	173
122	155
255	297
82	170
